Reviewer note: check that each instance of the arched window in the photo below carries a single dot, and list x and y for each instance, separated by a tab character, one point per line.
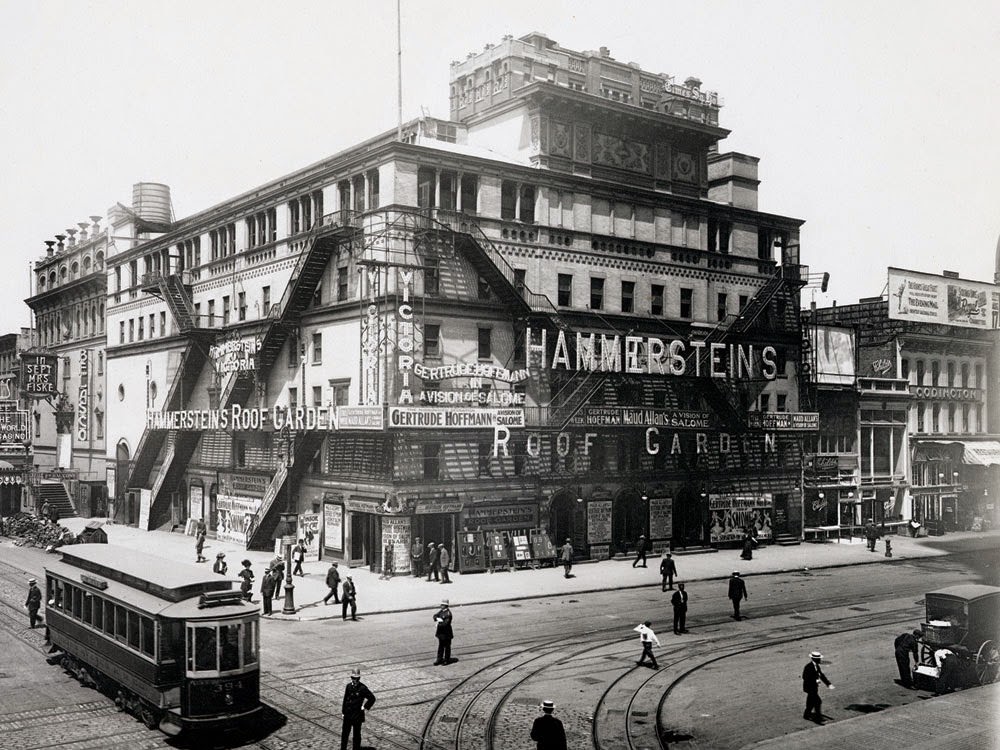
74	270
86	264
41	282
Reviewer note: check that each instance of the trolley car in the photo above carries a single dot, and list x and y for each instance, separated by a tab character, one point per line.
173	643
968	616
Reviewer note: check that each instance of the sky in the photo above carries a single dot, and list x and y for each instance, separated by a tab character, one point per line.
875	122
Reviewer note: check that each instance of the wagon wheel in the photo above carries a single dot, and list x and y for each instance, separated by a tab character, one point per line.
926	654
987	663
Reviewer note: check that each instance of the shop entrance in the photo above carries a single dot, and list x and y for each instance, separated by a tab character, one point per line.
566	521
628	521
690	518
437	528
364	528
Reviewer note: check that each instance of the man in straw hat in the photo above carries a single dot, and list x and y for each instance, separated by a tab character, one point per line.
357	700
812	675
443	633
547	731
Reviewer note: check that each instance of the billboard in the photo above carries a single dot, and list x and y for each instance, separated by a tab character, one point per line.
926	298
834	348
39	374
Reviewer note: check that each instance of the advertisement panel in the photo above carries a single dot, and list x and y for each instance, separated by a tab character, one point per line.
927	298
145	501
39	373
599	522
661	517
14	429
233	516
428	418
732	515
196	500
834	348
83	399
308	532
333	527
785	421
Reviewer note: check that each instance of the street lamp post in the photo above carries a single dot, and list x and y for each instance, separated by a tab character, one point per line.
288	526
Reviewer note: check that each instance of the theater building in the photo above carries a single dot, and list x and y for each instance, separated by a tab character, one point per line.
556	314
927	430
64	392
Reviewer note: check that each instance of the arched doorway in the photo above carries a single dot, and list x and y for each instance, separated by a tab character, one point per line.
690	518
628	520
122	456
566	521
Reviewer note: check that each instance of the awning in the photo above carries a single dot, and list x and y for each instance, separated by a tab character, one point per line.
984	453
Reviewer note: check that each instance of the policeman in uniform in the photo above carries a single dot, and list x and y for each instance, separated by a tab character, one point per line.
547	731
357	700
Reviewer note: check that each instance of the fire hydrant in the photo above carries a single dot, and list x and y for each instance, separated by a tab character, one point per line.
888	548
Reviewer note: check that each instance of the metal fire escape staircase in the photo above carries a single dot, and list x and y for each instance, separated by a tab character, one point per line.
321	244
733	397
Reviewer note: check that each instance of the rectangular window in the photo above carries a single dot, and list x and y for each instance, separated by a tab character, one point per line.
225	310
432	340
565	294
141	329
951	374
920	417
432	277
265	302
294	350
342	284
121	622
935	373
527	204
628	296
131	331
965	375
782	404
951	418
97	613
163	324
152	325
596	294
965	418
293	398
317	348
241	301
765	402
508	200
519	280
656	300
121	332
687	296
920	372
470	190
980	381
744	301
485	343
722	306
936	418
339	390
432	460
211	312
485	451
904	369
317	395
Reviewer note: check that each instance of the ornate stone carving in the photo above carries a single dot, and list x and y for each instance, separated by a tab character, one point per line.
581	143
560	144
612	151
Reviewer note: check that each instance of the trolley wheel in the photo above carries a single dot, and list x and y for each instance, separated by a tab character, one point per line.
987	663
926	654
149	716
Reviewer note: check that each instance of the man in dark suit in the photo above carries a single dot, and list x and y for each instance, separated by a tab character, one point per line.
640	551
547	731
267	590
737	593
668	569
443	633
433	561
680	602
357	700
417	557
812	675
349	599
34	601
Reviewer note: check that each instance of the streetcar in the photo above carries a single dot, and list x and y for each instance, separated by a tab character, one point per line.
964	618
173	643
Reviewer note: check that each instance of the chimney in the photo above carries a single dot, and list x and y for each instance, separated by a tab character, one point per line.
605	52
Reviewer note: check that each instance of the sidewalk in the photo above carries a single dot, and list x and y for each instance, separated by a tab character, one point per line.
404	592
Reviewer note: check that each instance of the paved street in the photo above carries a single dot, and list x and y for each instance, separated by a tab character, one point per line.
575	648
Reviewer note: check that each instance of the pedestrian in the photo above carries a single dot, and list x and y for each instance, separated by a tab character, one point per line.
668	569
299	557
432	561
332	583
444	633
812	675
278	571
357	700
906	645
737	593
349	599
640	551
871	534
647	638
44	512
221	566
566	554
199	545
247	575
747	553
680	603
547	731
33	602
388	555
417	558
267	590
444	560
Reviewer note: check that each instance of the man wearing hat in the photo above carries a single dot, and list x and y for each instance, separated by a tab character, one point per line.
349	599
332	583
33	602
737	593
871	534
668	569
547	731
640	551
443	633
220	566
566	554
905	645
444	560
417	557
812	675
433	561
357	699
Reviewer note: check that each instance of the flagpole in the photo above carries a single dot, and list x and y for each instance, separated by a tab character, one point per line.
399	74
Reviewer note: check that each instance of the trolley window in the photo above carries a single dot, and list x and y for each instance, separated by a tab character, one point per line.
97	613
88	602
148	641
55	598
250	643
109	618
221	647
121	622
133	630
203	648
77	601
229	653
